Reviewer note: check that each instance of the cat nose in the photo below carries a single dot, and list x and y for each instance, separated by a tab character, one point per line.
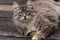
24	17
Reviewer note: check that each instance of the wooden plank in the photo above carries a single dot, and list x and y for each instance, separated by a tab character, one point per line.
5	19
5	13
9	2
6	2
14	38
6	8
7	23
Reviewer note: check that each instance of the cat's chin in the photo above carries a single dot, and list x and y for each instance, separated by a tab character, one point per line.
24	21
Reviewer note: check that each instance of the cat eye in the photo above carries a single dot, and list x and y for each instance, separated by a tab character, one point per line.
19	12
20	15
28	12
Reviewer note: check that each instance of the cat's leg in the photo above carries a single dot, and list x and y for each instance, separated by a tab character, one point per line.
36	36
45	30
42	34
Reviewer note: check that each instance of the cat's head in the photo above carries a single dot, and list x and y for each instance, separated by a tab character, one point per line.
23	12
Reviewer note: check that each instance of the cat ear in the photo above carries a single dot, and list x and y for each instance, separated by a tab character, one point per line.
29	2
15	4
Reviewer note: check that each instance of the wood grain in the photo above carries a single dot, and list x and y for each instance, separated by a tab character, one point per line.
6	8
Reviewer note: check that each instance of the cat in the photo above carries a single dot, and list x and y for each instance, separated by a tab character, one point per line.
36	19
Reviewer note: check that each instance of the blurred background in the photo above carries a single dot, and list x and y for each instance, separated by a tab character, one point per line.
10	1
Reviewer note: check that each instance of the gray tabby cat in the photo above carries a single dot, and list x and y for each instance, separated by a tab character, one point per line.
35	19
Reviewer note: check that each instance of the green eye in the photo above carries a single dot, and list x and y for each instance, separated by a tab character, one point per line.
28	12
19	12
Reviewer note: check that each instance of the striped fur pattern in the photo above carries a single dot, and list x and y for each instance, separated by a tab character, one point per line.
36	19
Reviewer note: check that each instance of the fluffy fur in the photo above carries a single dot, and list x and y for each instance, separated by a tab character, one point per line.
36	19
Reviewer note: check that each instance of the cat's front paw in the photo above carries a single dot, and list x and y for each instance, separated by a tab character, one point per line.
34	38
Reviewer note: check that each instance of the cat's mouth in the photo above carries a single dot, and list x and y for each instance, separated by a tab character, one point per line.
24	20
